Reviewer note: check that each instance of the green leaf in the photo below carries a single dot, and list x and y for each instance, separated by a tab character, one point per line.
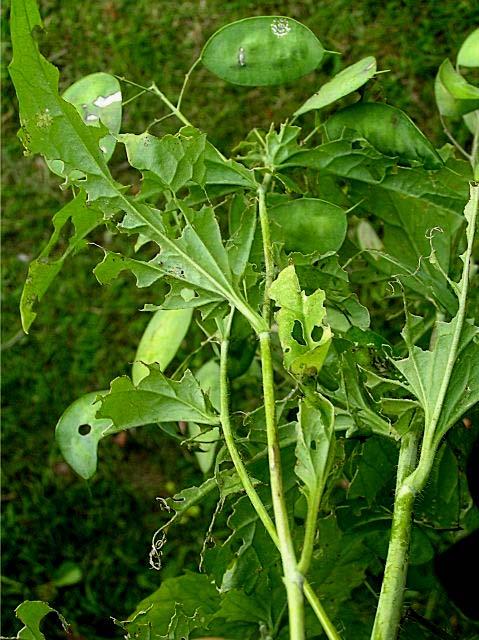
209	378
444	377
78	433
173	160
31	613
160	341
51	125
155	399
308	225
454	95
43	270
375	469
345	82
387	129
259	51
97	98
190	599
304	337
314	447
410	203
468	55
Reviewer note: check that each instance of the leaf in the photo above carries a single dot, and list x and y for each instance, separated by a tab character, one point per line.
444	377
261	51
240	242
340	564
160	341
78	433
454	95
155	399
468	55
345	82
43	270
97	98
308	225
31	613
173	160
209	378
50	125
375	469
314	447
190	599
410	203
300	319
387	129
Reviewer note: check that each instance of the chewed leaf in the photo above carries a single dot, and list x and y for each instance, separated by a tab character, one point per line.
260	51
160	340
304	337
174	160
308	224
78	433
347	81
43	270
97	98
31	613
454	95
314	447
155	399
387	129
51	125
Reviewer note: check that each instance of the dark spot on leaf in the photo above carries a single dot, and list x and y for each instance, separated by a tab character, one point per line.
297	333
313	445
84	429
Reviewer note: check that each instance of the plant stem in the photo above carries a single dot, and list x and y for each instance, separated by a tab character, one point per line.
292	577
388	613
251	492
171	106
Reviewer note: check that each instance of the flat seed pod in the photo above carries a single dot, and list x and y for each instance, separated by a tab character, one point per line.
454	95
262	51
161	340
97	97
388	129
468	55
344	83
79	431
308	224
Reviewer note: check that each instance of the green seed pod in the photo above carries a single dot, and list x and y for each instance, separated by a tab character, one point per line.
262	51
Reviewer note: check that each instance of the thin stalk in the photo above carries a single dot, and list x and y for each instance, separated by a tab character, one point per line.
256	501
185	82
170	105
388	613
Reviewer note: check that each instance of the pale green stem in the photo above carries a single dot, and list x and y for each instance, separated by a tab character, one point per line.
412	479
292	577
388	613
170	105
256	501
310	530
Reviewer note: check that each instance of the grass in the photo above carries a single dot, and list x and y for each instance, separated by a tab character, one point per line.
86	335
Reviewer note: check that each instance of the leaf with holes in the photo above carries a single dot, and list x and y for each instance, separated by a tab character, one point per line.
304	336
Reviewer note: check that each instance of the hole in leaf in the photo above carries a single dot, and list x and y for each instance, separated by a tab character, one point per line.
317	333
297	333
292	414
356	144
84	429
313	445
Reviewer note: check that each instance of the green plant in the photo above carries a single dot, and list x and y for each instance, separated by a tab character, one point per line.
301	224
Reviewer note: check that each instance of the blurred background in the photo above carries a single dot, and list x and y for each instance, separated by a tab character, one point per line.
84	546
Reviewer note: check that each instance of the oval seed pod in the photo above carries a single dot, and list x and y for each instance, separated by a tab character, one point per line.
97	97
261	51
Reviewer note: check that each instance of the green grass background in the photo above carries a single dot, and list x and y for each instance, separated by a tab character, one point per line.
86	335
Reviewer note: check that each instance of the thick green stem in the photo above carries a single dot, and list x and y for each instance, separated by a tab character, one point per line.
388	613
258	505
292	577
